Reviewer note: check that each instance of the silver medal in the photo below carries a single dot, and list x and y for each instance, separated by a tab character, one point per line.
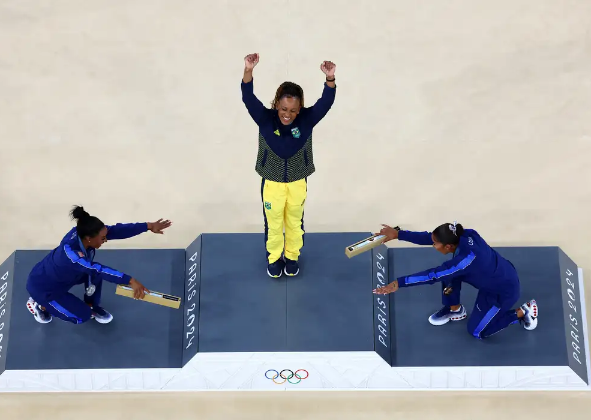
90	290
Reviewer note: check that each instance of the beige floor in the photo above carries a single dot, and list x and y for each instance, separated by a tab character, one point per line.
473	111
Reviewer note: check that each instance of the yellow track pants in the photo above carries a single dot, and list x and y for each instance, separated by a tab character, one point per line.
283	208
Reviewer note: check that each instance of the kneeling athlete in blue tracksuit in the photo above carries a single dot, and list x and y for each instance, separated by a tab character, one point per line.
476	263
71	263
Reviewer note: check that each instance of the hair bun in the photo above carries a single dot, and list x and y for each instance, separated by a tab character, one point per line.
78	213
456	228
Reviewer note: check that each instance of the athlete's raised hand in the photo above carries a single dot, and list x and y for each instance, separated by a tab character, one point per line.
250	61
159	225
328	68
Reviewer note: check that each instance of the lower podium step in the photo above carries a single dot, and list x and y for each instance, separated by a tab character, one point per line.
325	320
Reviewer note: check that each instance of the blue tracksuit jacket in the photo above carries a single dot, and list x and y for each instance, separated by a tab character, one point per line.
474	262
70	264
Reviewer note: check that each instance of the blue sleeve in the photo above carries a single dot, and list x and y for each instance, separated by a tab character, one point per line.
255	107
125	230
319	110
81	264
418	238
449	270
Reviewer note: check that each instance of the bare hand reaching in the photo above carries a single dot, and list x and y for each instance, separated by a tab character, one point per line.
159	225
390	288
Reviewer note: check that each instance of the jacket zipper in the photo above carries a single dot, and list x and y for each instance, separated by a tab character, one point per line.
285	171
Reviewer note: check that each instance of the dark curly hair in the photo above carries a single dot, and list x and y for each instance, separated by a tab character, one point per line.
288	90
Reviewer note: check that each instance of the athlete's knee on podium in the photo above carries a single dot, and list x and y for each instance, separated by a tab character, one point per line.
471	329
81	319
77	313
75	319
473	326
81	316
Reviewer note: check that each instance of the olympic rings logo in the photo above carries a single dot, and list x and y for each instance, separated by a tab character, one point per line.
287	378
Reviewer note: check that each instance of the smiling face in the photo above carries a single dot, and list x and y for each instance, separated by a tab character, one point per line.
288	109
288	101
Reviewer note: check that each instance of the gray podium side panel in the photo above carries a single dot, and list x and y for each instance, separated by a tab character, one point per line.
191	300
381	303
573	305
6	282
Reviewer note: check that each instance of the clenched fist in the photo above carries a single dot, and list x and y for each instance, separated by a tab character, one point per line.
250	61
328	68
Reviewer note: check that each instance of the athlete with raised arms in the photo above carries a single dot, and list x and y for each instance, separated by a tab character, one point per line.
285	161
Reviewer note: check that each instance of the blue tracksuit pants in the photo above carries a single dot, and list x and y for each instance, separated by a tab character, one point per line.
69	307
491	313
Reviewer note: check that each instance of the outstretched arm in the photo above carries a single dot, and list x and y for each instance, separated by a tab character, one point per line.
255	107
447	272
125	230
129	230
418	238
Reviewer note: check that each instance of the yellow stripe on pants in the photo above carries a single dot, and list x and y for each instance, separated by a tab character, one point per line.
284	210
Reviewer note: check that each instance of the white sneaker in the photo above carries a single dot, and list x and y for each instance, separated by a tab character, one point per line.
41	316
100	315
445	314
530	317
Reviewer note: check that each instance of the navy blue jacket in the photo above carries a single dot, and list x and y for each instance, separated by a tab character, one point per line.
474	262
286	144
70	264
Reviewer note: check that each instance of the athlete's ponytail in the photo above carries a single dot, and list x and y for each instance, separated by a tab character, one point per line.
86	225
449	233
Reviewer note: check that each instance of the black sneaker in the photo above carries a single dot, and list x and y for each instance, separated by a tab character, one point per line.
275	269
291	267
